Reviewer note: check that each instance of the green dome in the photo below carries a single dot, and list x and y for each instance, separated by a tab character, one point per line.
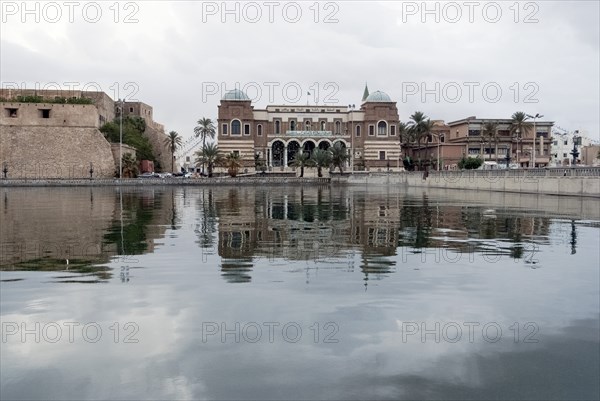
378	96
235	94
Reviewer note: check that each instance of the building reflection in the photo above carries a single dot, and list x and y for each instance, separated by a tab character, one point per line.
318	224
77	230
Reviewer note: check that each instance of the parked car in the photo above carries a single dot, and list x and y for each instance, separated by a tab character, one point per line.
149	175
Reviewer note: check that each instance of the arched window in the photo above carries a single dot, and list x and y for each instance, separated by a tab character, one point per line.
236	127
322	125
259	130
381	128
307	125
358	130
277	127
293	125
338	127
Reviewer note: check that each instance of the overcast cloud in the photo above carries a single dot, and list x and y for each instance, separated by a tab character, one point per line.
181	56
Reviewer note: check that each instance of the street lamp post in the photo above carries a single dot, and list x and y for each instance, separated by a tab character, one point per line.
537	115
507	157
518	139
575	152
4	169
91	170
121	139
351	138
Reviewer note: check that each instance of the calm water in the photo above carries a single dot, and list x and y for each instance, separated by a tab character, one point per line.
303	293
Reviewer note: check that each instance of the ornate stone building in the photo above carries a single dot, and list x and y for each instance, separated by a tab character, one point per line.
276	134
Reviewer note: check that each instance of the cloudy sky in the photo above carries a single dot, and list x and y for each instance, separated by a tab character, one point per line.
448	59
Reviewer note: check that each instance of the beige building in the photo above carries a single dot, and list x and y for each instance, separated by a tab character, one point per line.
465	137
276	134
589	155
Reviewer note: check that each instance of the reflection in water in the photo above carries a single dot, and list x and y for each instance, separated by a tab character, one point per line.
243	225
76	231
316	224
364	262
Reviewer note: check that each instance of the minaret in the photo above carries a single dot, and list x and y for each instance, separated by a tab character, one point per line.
365	93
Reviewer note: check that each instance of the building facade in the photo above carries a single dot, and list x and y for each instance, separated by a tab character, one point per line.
466	138
276	134
563	145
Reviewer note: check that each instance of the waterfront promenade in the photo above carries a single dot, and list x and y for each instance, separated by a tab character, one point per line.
581	181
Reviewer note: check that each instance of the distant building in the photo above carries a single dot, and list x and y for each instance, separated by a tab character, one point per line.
562	146
465	138
276	134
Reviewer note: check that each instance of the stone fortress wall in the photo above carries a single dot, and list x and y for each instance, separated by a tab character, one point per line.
45	140
55	140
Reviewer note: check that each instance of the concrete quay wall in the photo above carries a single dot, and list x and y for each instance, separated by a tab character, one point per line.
580	182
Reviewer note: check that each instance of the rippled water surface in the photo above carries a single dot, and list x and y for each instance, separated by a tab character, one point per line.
297	293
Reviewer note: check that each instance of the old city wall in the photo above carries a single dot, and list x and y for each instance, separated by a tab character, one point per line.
42	140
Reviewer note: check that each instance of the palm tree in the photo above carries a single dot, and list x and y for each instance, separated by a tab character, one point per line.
205	128
339	156
173	142
403	135
130	167
301	160
519	125
419	127
233	162
490	130
209	155
321	158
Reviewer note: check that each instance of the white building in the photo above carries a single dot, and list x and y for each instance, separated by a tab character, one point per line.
562	146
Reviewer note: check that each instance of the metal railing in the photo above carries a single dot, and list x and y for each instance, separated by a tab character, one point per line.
526	172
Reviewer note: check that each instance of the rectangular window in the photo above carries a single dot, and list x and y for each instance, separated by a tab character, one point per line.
259	130
371	130
566	142
564	155
246	129
382	155
224	129
474	151
45	113
131	109
11	113
474	132
392	130
236	152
